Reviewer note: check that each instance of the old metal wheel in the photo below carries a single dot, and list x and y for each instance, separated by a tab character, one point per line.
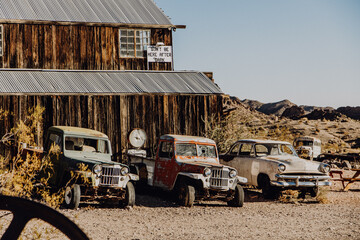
186	195
72	196
24	210
238	200
129	200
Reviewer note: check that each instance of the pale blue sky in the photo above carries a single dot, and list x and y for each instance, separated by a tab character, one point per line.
307	51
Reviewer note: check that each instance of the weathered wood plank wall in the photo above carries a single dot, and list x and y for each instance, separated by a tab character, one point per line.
117	115
78	47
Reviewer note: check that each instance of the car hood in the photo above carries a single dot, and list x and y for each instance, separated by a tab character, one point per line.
203	164
294	164
197	160
91	161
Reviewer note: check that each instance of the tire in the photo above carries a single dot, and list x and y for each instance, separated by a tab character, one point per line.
238	200
129	200
72	196
186	195
314	192
268	191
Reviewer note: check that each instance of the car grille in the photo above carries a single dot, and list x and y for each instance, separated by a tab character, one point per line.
110	175
219	178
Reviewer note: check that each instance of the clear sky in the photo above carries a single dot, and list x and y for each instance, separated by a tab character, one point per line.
307	51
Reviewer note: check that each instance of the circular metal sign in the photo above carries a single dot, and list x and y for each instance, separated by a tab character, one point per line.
137	137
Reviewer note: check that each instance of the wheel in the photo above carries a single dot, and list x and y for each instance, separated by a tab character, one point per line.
314	192
72	196
129	200
186	195
238	200
24	210
269	192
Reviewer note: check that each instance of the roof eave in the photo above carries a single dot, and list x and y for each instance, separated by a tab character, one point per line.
64	23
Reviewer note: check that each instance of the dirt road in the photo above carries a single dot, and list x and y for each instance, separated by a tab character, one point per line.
158	218
155	218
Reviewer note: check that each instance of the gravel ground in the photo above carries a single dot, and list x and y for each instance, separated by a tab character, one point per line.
157	217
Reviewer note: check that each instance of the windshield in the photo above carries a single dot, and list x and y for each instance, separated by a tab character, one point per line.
195	150
274	149
79	144
304	143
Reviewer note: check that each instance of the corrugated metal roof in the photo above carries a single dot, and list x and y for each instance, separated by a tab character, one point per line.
104	82
91	11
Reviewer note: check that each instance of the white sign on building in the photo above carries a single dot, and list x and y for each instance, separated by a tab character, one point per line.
159	54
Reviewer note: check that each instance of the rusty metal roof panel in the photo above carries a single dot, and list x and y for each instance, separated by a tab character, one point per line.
92	11
104	82
186	138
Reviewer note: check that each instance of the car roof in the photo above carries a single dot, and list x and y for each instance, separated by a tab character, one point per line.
78	131
261	141
185	138
308	138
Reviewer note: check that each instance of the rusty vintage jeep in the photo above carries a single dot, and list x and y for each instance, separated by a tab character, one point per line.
189	166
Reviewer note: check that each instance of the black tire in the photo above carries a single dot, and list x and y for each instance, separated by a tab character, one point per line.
186	195
72	196
238	200
268	191
314	192
129	200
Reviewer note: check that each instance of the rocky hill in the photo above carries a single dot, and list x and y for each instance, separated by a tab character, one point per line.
336	130
351	112
286	108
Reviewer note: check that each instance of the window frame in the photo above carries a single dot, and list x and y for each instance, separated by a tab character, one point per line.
143	44
1	40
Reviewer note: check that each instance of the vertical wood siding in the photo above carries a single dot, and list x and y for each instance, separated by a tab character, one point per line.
72	47
117	115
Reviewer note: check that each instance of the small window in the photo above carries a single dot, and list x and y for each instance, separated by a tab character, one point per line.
54	139
286	150
133	43
246	150
1	40
235	150
166	150
261	150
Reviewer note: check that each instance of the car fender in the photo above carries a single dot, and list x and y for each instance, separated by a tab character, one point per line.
196	176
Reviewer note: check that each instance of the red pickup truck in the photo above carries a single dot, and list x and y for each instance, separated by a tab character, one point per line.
190	166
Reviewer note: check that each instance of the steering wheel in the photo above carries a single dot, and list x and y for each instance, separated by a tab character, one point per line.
24	210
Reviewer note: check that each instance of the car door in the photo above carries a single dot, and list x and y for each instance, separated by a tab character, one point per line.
164	175
231	154
55	140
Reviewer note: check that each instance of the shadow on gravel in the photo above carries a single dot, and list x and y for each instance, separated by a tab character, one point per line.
253	195
155	198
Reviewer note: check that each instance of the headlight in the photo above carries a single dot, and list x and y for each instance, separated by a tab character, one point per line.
97	169
124	171
207	172
325	168
281	167
232	173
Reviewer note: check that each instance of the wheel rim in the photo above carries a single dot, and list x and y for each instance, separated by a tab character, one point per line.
68	195
182	194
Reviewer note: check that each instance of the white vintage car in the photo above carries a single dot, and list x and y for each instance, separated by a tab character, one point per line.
274	166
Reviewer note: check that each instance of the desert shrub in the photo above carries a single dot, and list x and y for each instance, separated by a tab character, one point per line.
239	125
227	130
28	174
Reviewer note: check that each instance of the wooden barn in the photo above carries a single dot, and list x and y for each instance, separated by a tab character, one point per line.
100	64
